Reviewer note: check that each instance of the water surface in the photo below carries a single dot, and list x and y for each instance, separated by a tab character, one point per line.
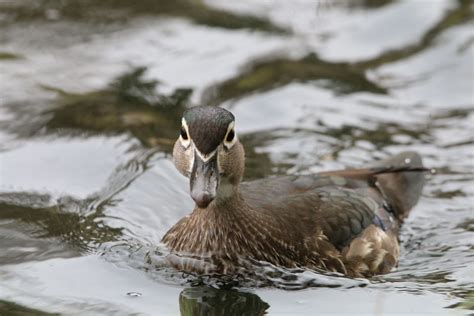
91	98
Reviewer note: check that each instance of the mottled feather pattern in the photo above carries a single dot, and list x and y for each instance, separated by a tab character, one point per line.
268	233
344	221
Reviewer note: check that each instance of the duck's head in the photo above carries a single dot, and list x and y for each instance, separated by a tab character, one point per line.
209	154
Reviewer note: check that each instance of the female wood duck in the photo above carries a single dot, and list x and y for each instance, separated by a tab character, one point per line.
344	221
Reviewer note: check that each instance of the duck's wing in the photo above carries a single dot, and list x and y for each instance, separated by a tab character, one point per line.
397	181
341	213
348	201
350	230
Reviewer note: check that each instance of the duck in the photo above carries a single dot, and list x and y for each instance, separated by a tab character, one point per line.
344	221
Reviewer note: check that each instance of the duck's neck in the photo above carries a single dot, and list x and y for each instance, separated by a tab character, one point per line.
228	208
228	193
209	229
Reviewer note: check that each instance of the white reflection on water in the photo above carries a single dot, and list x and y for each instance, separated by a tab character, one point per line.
62	166
305	127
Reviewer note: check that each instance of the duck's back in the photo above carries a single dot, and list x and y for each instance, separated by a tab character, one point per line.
358	211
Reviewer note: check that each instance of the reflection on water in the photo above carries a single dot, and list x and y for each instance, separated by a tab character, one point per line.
10	308
129	104
266	75
92	99
116	11
205	300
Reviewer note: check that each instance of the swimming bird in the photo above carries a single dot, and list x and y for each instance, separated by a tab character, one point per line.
344	221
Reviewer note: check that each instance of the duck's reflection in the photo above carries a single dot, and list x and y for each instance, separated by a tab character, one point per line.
204	300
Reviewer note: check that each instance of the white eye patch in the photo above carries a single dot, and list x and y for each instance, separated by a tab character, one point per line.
230	137
184	134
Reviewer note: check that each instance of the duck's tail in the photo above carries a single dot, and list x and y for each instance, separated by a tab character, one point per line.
400	179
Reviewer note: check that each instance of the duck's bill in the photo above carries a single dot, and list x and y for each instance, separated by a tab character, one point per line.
204	180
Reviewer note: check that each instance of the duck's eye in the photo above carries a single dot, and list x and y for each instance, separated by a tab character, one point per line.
184	134
230	136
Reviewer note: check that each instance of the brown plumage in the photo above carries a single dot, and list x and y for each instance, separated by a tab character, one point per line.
345	221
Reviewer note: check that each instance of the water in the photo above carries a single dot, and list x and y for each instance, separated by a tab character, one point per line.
90	105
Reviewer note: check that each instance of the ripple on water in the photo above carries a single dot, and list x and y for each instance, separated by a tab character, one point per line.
89	207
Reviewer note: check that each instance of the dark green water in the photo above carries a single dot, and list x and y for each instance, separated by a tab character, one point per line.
91	95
